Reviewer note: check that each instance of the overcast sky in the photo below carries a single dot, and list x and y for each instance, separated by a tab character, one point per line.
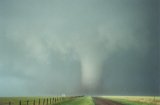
76	47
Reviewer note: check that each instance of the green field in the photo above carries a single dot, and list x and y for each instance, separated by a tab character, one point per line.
59	100
78	101
30	100
86	100
135	100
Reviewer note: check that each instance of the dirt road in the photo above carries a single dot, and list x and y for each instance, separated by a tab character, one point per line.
101	101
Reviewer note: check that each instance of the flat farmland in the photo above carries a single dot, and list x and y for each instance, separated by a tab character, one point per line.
82	100
31	100
135	100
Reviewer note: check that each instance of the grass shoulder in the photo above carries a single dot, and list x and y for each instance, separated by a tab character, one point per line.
78	101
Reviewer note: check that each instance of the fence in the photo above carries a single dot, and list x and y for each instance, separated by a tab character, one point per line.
32	101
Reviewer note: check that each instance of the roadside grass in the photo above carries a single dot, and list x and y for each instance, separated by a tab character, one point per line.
78	101
135	100
16	100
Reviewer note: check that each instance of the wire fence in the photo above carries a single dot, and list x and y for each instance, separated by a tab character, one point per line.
36	101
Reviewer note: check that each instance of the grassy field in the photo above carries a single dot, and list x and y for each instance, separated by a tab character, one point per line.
135	100
29	100
86	100
67	101
78	101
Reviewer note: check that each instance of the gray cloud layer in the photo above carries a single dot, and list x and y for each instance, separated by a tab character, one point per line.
79	47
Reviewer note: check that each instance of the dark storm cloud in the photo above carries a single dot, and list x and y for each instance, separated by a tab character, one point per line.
76	47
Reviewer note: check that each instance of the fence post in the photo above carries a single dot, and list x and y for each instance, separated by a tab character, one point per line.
50	100
43	101
19	102
53	100
39	102
9	102
47	101
27	102
34	102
